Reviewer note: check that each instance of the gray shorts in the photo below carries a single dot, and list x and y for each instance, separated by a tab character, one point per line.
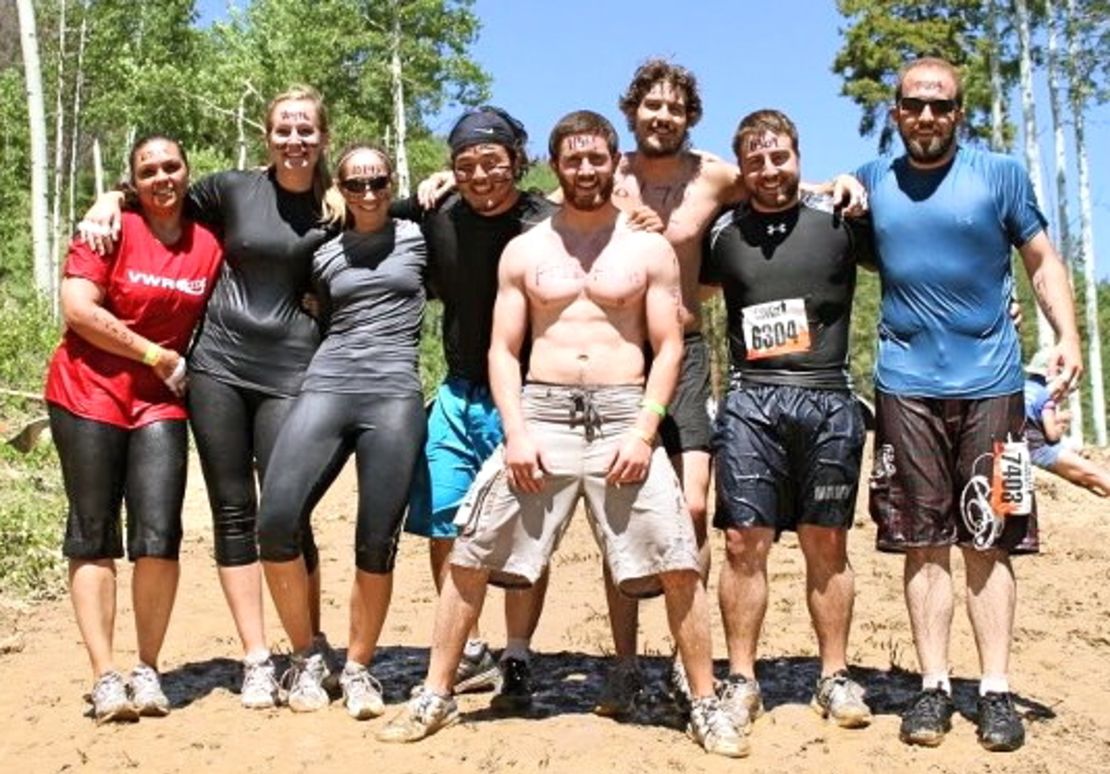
642	529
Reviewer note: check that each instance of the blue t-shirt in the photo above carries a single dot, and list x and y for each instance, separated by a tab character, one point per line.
943	240
1037	397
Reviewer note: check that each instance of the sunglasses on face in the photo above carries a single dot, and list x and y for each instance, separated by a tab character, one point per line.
938	107
360	185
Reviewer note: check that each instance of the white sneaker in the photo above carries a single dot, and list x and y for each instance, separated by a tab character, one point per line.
303	683
711	727
362	693
110	700
146	692
260	686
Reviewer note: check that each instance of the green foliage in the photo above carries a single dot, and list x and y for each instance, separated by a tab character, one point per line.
539	177
881	36
433	368
32	515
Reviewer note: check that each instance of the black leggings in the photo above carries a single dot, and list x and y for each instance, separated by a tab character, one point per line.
385	434
103	465
235	430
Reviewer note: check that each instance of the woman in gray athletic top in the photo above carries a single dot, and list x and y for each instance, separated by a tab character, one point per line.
361	394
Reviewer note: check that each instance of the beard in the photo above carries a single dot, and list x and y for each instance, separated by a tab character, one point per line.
928	150
588	201
665	145
784	196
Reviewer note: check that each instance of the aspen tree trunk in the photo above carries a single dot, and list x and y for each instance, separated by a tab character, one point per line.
59	146
1063	226
1045	335
98	166
75	124
1077	88
398	87
36	112
998	115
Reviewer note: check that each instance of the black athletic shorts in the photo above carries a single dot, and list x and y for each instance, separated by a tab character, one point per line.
786	456
687	425
932	457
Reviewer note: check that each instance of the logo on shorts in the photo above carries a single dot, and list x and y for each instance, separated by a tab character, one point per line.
832	492
884	463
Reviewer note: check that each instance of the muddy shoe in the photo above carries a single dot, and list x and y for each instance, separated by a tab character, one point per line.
841	698
303	683
110	701
711	727
624	685
741	700
478	673
260	686
928	719
425	713
146	692
516	687
1000	727
362	693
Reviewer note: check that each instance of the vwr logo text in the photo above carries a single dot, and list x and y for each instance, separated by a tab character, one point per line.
194	287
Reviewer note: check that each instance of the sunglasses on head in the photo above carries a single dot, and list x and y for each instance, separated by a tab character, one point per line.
938	107
358	185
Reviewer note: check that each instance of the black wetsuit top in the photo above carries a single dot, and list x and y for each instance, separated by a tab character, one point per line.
255	333
464	249
804	253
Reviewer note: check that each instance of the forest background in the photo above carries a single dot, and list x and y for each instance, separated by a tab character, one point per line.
111	70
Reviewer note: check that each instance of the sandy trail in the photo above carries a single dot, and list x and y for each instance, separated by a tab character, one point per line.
1061	670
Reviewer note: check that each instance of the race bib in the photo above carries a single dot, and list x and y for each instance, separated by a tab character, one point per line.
1012	479
776	328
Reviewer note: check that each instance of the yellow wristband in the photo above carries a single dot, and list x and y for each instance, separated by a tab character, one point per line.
654	407
152	354
648	439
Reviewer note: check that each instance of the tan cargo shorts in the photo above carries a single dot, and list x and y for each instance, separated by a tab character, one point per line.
642	529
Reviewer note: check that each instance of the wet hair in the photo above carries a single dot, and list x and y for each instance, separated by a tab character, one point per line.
499	127
321	179
760	122
582	122
931	61
127	186
334	206
654	71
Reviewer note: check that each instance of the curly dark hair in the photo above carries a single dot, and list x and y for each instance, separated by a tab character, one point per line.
652	72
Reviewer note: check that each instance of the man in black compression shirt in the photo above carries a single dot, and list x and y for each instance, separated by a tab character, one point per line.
465	235
790	434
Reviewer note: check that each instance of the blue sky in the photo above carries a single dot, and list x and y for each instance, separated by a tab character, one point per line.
547	59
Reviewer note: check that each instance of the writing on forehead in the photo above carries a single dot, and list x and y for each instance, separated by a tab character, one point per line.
579	141
145	155
762	142
368	167
294	115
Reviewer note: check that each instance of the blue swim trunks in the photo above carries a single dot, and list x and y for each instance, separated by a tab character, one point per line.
464	428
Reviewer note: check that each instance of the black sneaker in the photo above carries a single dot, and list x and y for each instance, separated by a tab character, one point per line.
928	719
1000	727
516	686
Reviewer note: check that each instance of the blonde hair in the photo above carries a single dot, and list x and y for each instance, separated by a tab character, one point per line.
334	205
321	178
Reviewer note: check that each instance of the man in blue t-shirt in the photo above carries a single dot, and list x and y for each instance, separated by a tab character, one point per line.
948	383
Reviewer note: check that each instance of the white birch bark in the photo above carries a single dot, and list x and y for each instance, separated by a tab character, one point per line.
998	114
396	74
59	145
36	112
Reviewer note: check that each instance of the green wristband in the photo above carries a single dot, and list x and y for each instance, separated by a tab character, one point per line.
654	407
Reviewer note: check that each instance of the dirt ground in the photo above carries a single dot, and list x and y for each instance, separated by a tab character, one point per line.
1061	671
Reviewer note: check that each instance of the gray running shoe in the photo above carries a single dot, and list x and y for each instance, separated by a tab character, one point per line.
425	713
623	687
711	727
477	674
260	686
146	692
840	697
362	693
741	700
110	700
303	683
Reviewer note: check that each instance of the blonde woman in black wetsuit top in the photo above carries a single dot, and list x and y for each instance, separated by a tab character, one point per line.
253	347
362	395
